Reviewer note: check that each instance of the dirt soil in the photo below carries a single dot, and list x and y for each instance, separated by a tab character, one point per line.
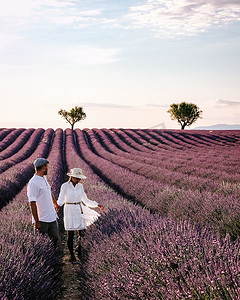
71	275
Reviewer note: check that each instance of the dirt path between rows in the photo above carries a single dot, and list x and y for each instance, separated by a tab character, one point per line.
70	289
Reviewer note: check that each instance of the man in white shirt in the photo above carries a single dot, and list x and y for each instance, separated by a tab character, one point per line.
43	206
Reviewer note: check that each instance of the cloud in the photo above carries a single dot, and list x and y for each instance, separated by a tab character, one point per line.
19	15
105	105
7	39
157	105
81	54
112	105
183	17
94	55
168	18
71	16
47	17
33	54
18	20
228	103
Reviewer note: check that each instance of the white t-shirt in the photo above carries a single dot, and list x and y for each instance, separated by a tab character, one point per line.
39	190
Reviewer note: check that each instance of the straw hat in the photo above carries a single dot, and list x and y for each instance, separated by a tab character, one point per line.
77	173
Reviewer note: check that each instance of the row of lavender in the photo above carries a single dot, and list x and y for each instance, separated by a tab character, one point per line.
173	139
195	157
154	168
30	266
21	168
139	139
171	183
133	254
163	139
20	149
175	259
211	162
219	210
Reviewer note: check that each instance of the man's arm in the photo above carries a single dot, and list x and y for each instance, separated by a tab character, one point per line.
33	208
55	203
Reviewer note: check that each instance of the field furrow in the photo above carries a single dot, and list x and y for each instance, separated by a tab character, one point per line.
171	224
10	138
4	132
15	178
24	152
17	144
213	209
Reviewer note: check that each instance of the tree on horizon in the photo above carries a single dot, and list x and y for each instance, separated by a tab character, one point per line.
75	115
185	113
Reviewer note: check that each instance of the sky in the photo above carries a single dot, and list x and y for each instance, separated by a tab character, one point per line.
125	62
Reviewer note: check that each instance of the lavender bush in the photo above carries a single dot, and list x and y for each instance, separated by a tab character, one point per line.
24	152
30	266
17	144
162	259
131	253
13	179
57	163
166	199
10	138
156	172
150	171
4	132
213	164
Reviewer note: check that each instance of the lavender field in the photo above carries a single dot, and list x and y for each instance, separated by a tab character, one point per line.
171	224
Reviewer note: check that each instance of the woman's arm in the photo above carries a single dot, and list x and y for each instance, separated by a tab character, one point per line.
61	196
88	202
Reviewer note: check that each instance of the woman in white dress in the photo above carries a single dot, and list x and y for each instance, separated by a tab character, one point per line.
77	209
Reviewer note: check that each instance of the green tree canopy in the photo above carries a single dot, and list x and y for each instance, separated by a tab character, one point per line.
185	113
76	114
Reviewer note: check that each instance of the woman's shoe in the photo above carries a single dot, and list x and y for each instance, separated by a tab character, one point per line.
73	260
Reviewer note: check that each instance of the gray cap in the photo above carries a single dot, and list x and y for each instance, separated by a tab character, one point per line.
39	162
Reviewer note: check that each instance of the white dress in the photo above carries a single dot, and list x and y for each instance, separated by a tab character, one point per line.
79	215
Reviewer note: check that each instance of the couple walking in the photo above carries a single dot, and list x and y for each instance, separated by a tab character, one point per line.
77	207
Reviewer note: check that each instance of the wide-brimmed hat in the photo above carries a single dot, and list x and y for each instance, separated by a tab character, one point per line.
77	173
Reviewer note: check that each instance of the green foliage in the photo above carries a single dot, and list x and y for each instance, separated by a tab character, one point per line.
76	114
185	113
